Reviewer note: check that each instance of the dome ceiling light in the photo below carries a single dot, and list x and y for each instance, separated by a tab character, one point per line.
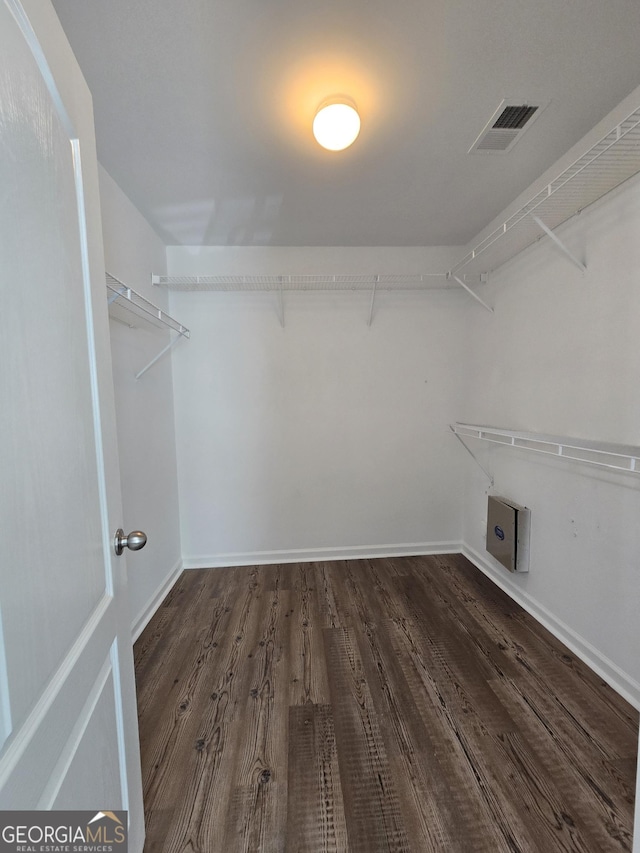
337	123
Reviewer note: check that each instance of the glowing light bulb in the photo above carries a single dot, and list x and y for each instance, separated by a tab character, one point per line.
337	124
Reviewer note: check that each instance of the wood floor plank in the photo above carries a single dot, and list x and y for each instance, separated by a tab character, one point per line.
559	716
308	671
436	816
544	804
582	767
191	653
180	687
397	704
446	718
154	634
163	634
593	704
596	805
470	723
189	773
372	810
326	598
259	766
463	675
594	737
459	570
316	820
252	819
158	823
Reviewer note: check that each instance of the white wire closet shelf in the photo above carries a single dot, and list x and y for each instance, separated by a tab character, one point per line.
131	308
293	282
604	166
128	305
619	457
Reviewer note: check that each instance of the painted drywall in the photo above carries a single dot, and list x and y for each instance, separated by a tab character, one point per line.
560	355
323	438
312	260
144	408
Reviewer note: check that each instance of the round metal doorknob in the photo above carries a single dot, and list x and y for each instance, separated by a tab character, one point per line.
134	541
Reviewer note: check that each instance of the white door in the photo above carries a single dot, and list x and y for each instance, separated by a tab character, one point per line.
68	727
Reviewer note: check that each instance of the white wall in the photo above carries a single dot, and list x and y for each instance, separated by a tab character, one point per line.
323	438
561	355
144	408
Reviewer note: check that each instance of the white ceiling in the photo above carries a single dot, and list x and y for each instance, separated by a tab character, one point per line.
203	109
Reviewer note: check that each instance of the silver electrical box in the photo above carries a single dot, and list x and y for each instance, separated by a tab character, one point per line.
508	532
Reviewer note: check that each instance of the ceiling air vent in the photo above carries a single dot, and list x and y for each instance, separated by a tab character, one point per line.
505	127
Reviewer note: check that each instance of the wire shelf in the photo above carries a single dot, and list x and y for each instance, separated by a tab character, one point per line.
425	281
612	160
127	305
619	457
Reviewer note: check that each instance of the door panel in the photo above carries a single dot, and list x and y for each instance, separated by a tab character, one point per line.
46	377
67	700
35	758
97	719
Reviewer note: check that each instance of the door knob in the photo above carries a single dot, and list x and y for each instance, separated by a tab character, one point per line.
134	541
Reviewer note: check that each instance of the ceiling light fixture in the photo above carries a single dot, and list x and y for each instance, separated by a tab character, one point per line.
337	123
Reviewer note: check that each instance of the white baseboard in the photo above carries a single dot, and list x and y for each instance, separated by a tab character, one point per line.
599	663
147	612
314	555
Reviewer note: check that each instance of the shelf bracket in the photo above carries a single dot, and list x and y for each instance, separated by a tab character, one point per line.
373	299
120	292
160	354
138	306
559	243
280	307
471	454
471	292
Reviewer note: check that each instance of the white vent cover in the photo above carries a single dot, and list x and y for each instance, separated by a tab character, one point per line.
505	127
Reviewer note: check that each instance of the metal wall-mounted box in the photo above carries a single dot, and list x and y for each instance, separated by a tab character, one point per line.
508	533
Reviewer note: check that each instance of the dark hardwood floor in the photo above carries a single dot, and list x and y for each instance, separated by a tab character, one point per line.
373	705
